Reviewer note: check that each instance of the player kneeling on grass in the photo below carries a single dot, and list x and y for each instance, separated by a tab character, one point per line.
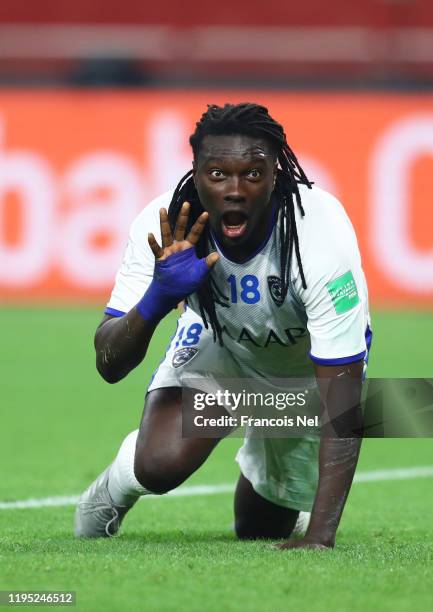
257	251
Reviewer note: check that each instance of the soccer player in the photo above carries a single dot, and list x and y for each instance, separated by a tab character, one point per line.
270	270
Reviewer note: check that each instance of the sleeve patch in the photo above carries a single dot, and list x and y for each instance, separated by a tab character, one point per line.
343	292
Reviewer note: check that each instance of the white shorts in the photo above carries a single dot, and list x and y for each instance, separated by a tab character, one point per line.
282	470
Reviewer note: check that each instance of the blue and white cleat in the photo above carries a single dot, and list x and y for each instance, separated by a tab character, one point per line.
97	516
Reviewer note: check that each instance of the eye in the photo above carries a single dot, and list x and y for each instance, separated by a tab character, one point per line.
216	173
254	173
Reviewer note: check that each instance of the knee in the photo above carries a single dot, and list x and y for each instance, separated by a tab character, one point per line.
244	530
247	529
157	475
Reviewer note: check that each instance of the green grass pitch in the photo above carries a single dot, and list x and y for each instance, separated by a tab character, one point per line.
61	425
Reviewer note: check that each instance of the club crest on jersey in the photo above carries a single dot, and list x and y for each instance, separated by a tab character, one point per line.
275	289
183	355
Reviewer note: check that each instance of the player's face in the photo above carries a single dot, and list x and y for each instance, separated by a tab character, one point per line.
235	176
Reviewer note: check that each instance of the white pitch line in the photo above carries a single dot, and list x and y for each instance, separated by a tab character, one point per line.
395	474
360	477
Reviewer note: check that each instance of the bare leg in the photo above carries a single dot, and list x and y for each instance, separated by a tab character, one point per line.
163	459
256	517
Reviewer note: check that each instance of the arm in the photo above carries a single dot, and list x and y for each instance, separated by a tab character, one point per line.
335	302
340	391
121	342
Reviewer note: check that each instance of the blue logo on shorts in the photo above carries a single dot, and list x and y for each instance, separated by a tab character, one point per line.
183	355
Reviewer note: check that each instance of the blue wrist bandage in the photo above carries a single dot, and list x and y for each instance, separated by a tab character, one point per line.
174	279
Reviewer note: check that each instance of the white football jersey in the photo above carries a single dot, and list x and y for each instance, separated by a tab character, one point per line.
328	322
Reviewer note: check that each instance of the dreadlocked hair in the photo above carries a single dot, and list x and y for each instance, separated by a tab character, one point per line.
246	119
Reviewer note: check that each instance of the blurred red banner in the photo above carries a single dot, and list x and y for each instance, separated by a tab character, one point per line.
76	167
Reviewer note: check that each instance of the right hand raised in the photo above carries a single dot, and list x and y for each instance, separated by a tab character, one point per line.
178	243
178	271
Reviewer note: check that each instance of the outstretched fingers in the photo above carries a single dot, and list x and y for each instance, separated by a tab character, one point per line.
211	259
161	252
181	222
167	238
156	249
197	229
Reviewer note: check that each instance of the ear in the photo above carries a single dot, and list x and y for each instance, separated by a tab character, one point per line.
194	170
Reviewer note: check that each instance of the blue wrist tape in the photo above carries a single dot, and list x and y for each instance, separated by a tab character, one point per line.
174	279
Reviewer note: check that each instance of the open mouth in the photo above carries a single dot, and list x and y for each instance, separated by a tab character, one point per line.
234	224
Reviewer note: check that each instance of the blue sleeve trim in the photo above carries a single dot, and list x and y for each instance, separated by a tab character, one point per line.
368	337
339	360
113	312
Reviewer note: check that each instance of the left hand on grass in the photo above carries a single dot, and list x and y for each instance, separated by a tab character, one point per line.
303	543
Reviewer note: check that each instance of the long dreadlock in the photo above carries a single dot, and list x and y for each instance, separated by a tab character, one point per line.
246	119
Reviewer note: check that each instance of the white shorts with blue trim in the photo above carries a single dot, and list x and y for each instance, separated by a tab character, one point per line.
284	471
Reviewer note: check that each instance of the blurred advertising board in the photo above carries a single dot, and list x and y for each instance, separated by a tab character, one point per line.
77	166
